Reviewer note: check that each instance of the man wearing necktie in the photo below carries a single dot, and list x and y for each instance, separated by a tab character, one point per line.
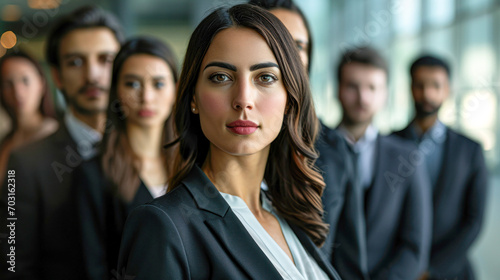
378	205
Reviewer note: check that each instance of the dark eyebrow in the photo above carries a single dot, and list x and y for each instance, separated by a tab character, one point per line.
132	76
221	64
68	55
263	65
108	53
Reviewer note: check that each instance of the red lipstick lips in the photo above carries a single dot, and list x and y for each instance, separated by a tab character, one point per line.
146	113
242	127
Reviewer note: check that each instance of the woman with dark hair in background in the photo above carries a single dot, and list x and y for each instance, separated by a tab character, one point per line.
23	91
133	167
244	113
296	23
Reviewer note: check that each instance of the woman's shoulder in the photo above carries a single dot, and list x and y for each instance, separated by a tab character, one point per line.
171	213
175	202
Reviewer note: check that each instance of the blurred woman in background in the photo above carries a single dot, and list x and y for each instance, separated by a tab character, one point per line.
133	167
23	94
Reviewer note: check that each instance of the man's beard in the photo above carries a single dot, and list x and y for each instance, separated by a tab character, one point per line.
423	112
352	121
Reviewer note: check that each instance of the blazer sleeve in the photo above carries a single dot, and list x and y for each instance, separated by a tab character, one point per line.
472	220
27	229
412	255
151	247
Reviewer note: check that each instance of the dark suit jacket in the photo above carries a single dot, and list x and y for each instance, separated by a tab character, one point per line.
192	233
47	238
458	205
101	217
383	233
336	164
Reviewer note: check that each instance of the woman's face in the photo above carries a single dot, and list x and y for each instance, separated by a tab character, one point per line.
146	89
297	28
240	96
22	86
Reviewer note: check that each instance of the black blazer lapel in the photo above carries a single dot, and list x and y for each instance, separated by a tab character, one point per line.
238	242
63	137
311	248
406	133
228	228
141	197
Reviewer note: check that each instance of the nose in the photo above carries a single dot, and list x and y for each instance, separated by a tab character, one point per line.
364	96
93	71
147	94
427	91
18	91
244	96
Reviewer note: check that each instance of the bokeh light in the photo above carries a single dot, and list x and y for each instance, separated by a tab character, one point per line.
8	39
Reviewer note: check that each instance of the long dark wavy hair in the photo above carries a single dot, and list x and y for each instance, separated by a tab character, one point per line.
295	186
120	164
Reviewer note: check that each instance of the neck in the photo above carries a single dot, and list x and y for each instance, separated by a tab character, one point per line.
356	130
145	141
29	122
425	123
96	121
237	175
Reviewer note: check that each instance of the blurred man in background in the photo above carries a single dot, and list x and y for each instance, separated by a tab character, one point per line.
295	22
381	220
456	168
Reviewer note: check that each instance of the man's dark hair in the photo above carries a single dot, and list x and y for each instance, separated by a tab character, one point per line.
364	55
431	61
84	17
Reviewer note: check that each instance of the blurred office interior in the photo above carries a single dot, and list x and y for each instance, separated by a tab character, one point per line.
465	32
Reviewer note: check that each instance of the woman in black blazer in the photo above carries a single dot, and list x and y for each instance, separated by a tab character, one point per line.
244	114
133	166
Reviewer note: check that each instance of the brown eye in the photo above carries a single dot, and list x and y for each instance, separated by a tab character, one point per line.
219	78
267	78
301	45
133	84
107	59
159	84
75	62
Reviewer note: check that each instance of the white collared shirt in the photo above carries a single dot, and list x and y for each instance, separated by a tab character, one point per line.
305	267
85	137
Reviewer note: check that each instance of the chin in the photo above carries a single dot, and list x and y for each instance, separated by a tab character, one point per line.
243	149
360	121
90	110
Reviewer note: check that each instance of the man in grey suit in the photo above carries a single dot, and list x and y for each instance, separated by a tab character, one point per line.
379	208
456	168
80	49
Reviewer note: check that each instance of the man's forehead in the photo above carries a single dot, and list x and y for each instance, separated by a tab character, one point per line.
89	41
